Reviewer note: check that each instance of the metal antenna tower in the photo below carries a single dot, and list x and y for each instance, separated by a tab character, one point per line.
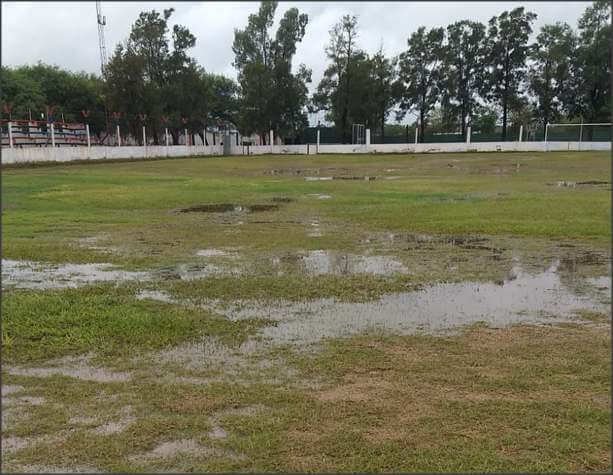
101	43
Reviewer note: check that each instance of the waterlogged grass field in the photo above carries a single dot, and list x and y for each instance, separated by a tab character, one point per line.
327	313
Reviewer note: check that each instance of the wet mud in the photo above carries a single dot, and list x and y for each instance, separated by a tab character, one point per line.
227	208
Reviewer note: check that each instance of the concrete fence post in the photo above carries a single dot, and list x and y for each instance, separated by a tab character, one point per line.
144	137
416	133
546	130
468	134
89	143
10	126
166	135
521	132
272	141
52	135
368	137
318	140
118	137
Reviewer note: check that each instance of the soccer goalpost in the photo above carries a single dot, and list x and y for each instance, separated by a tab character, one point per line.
601	130
358	134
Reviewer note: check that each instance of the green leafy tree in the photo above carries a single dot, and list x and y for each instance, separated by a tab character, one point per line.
463	69
31	89
21	93
147	78
336	92
271	95
420	74
592	89
507	50
551	70
383	77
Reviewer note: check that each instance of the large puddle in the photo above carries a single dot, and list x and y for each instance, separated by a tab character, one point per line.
35	275
521	298
321	262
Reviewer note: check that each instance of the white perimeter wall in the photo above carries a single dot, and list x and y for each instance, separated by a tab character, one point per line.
67	154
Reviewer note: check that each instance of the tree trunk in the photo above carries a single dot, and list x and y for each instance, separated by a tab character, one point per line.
422	126
505	98
174	133
463	123
504	117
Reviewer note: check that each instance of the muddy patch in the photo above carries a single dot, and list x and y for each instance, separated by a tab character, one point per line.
11	389
304	171
184	447
117	426
157	295
539	298
54	469
78	367
281	199
320	196
340	177
217	253
41	276
228	208
575	184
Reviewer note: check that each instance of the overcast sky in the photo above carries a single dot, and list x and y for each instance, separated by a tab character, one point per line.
65	33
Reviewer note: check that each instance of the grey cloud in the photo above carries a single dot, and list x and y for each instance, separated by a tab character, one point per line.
65	33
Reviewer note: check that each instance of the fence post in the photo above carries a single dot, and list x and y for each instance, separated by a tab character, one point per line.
10	134
521	132
118	137
89	143
52	135
546	129
144	137
272	141
468	134
416	134
368	137
581	132
166	134
318	141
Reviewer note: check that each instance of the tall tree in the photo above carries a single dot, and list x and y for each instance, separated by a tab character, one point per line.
148	78
336	89
551	70
507	49
463	68
383	74
420	74
593	63
271	95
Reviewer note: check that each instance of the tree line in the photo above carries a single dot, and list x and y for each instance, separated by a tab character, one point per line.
485	76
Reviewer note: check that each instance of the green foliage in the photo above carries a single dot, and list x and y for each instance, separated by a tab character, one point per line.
421	72
463	69
271	95
551	70
464	74
30	89
355	88
507	50
155	84
593	64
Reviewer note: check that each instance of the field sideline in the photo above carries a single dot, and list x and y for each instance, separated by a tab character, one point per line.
286	313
